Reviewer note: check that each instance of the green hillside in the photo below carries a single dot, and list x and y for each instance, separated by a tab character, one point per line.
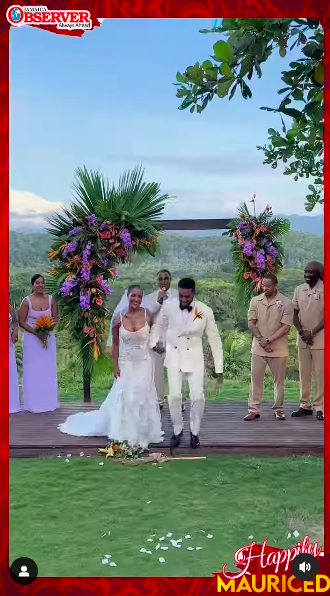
208	260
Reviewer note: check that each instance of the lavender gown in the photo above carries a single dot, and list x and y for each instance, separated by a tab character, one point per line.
14	405
39	367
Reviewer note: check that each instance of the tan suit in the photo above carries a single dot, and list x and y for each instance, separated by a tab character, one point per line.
159	371
184	358
269	316
309	302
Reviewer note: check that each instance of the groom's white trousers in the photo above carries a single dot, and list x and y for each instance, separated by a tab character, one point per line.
197	400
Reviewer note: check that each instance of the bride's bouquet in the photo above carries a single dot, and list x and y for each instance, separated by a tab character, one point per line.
44	325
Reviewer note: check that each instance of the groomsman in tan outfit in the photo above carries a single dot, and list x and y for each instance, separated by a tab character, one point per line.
155	302
308	303
270	318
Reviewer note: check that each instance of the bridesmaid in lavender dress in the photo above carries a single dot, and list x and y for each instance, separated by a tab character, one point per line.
39	363
14	405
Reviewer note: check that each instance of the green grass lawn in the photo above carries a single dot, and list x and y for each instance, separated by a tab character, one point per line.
61	513
70	388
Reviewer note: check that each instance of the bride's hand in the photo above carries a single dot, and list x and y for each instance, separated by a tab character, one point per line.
116	372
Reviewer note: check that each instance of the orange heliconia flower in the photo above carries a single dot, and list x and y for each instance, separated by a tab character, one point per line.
45	323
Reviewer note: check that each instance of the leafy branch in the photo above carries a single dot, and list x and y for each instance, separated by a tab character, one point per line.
249	44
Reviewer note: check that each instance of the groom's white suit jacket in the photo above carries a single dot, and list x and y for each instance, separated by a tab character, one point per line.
183	333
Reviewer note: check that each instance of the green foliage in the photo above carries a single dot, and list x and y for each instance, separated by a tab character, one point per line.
249	44
94	224
256	248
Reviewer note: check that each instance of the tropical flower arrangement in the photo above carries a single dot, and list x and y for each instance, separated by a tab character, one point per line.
101	230
122	451
256	248
44	325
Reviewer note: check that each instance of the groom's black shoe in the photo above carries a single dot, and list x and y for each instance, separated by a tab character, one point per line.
194	441
175	441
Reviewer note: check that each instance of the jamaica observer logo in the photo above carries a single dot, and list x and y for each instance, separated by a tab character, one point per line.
40	15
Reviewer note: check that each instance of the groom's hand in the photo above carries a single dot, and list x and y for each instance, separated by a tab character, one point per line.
159	348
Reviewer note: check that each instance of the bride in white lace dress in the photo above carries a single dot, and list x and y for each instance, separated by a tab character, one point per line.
130	412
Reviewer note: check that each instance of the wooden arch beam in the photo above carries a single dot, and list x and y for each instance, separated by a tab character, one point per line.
195	224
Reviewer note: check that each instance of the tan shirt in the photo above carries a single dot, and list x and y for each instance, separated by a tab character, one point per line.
310	304
269	316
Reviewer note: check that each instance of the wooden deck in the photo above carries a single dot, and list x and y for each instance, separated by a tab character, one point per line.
223	431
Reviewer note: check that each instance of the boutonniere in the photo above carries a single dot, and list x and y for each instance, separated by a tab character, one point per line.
279	304
316	296
197	314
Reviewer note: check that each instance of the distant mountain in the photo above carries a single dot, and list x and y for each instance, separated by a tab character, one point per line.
311	224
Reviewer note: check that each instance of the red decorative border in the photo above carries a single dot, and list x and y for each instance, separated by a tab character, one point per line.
132	9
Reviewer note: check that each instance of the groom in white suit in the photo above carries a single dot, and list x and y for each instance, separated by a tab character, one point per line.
155	302
183	323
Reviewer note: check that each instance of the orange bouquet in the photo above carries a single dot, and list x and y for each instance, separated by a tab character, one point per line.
44	326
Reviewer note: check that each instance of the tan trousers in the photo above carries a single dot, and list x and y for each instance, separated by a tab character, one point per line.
159	376
311	364
258	368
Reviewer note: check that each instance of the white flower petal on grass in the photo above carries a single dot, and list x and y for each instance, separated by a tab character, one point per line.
161	539
148	502
107	556
113	564
109	532
143	550
209	536
289	535
161	560
103	535
59	456
157	546
105	561
148	552
164	547
296	534
187	536
149	540
203	531
175	543
179	540
190	548
250	537
199	547
88	456
169	534
67	461
101	463
160	467
81	454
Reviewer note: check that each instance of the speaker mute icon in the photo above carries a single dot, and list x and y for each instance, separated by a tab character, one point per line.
305	567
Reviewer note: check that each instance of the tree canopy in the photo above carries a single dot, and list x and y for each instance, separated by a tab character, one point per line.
247	44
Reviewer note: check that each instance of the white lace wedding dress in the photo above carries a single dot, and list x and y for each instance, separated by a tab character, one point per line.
131	411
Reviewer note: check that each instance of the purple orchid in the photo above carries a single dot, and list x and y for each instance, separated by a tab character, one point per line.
68	285
260	259
85	300
126	238
86	253
86	274
75	231
104	226
91	219
106	287
70	247
249	248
